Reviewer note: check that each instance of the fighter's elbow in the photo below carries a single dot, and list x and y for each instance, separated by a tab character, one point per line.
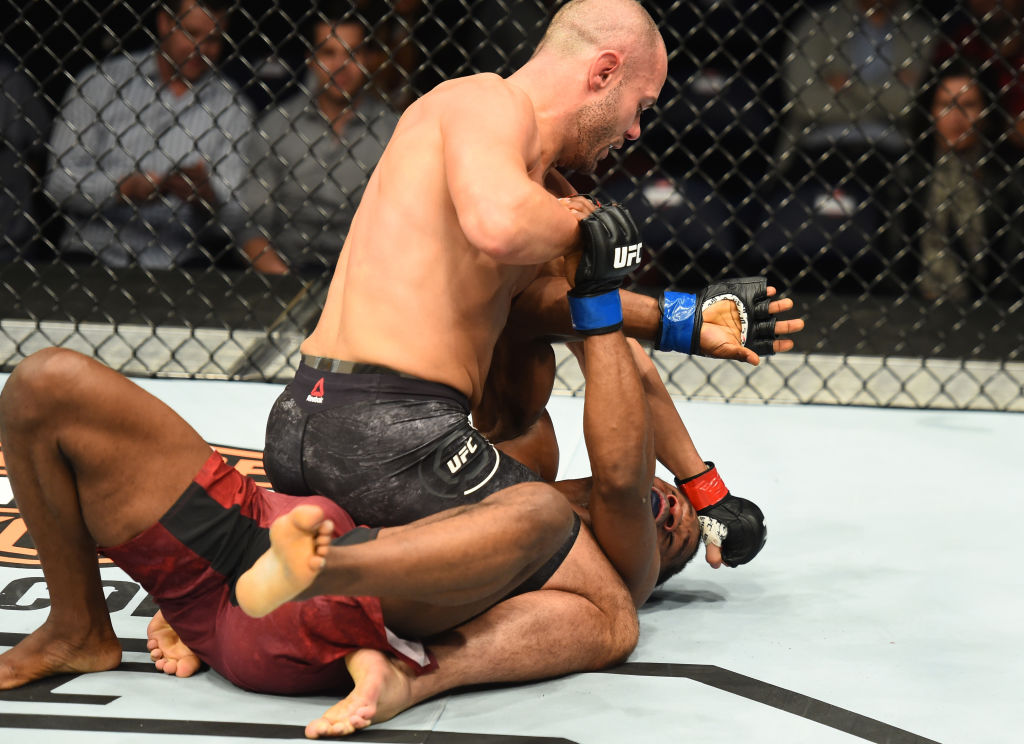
621	478
492	234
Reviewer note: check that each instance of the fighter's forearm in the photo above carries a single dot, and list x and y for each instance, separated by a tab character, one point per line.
674	446
615	415
542	311
617	431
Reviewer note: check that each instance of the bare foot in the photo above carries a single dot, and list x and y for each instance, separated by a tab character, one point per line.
298	545
49	651
381	691
167	650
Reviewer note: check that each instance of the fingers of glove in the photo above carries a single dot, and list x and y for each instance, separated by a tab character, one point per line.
620	224
761	335
605	218
616	225
761	309
754	291
632	232
596	233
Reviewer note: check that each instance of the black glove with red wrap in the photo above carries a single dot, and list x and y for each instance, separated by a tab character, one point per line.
733	523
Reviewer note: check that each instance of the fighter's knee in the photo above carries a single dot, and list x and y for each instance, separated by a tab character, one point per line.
625	636
549	511
36	385
621	630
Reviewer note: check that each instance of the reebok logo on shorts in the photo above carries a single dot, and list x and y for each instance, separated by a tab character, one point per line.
316	395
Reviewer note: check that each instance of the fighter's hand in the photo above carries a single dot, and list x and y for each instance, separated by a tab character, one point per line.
611	248
732	319
721	331
581	206
732	528
168	652
713	555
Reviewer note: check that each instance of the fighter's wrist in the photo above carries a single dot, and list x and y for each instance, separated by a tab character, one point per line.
597	313
704	489
678	326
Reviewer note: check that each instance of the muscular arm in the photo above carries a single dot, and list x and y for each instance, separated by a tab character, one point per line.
489	141
620	443
674	447
547	315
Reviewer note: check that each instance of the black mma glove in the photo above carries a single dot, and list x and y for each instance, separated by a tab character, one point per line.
734	524
682	315
611	250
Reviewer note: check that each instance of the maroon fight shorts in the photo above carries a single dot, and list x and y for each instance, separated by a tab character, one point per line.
190	560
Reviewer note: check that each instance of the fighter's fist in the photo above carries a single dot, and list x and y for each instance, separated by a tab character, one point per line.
734	524
611	249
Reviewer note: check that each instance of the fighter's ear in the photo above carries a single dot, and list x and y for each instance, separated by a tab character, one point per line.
604	69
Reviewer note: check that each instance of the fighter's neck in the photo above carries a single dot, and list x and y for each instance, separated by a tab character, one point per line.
554	107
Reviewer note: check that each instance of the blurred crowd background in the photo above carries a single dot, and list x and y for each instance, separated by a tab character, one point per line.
177	178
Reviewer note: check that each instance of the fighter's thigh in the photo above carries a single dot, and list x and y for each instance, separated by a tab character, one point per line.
131	456
586	572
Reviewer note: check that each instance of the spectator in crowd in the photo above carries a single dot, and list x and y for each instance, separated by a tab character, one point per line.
143	156
964	205
310	158
991	36
400	54
23	126
851	72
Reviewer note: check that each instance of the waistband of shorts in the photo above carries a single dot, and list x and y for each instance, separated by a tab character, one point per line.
377	380
341	366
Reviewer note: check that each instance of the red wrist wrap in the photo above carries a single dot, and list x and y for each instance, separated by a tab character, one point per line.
705	489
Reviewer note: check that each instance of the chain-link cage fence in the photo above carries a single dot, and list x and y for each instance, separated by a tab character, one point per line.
163	168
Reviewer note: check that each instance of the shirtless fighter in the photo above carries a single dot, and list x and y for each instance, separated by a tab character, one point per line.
535	634
459	215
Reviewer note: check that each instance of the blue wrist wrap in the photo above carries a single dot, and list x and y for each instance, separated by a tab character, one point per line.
597	313
678	310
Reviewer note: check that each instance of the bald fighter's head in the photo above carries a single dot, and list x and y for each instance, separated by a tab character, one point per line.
581	27
613	62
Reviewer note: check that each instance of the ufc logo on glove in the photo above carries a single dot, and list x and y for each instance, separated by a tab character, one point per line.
627	256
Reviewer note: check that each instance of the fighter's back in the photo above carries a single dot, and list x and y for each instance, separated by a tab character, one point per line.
411	290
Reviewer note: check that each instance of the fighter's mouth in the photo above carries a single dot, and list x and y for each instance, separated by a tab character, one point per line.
657	504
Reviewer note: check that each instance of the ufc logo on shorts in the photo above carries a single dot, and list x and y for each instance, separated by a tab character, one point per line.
455	464
627	255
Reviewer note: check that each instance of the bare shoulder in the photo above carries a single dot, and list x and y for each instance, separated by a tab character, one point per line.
484	95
